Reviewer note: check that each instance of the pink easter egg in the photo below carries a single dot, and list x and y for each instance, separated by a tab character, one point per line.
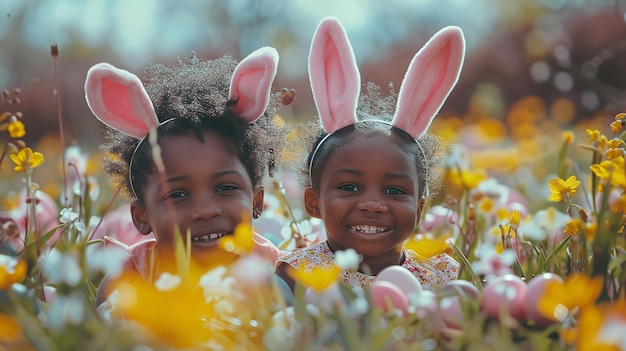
505	293
450	312
383	292
402	278
462	288
534	291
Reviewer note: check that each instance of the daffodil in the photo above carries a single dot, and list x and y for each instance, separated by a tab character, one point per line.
611	170
241	242
560	299
317	278
26	159
562	189
601	327
428	246
574	226
568	137
12	270
618	124
144	303
16	129
10	330
466	178
593	134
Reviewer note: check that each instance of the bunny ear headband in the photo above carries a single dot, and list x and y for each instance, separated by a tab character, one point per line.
118	98
336	83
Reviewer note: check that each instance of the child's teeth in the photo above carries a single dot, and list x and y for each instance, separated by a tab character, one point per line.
368	229
208	237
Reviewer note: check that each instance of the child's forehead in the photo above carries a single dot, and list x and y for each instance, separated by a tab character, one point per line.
372	144
204	147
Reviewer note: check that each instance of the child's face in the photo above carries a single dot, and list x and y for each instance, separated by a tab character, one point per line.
368	196
206	190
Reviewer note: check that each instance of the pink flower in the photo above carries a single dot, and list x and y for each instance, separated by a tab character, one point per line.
46	213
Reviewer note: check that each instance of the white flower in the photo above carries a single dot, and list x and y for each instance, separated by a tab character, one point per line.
491	263
215	284
65	310
347	259
108	259
531	231
167	282
68	216
59	267
424	302
8	263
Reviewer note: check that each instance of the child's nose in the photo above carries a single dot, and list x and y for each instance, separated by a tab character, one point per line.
372	206
206	210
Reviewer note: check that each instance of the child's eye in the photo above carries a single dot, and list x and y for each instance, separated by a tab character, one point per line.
394	191
225	187
349	187
177	194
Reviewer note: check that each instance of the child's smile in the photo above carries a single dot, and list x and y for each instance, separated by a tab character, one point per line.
368	196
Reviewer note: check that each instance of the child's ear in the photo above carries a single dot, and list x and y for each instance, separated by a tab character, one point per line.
418	214
312	203
140	220
257	201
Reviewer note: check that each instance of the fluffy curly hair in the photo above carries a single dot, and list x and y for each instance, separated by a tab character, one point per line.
373	108
192	95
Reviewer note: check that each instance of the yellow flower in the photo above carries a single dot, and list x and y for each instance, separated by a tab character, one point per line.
12	270
563	188
142	302
602	142
594	135
561	298
616	126
600	327
241	241
515	218
10	330
611	169
574	226
466	178
427	246
568	137
614	153
16	129
317	278
26	159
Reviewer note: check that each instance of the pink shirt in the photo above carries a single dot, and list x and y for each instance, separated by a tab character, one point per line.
138	254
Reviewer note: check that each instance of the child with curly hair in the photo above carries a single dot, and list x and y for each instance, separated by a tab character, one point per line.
368	171
192	149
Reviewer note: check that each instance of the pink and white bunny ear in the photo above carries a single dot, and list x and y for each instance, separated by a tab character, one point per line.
252	82
334	75
431	75
118	99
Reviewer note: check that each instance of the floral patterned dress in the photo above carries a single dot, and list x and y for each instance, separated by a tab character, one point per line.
431	272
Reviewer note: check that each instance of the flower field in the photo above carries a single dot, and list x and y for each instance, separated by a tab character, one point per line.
532	208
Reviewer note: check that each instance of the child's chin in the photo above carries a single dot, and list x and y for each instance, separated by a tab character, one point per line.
210	255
